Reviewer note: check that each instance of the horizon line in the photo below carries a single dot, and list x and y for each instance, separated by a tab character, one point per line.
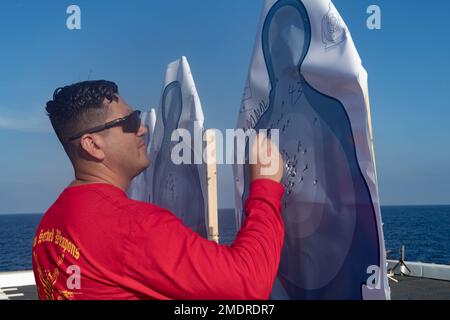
385	205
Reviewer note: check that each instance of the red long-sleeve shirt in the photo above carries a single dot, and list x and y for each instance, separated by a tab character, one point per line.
95	243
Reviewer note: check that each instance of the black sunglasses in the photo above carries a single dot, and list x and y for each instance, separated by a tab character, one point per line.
129	123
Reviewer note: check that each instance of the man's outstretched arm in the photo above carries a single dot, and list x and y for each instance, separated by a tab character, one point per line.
177	263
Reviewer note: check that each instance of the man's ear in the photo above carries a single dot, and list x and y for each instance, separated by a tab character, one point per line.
93	145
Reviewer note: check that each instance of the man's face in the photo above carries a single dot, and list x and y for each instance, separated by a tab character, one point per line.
125	153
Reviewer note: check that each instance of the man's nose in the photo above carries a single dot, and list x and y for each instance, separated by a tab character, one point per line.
143	130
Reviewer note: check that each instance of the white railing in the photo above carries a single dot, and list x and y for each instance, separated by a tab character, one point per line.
420	269
16	279
10	281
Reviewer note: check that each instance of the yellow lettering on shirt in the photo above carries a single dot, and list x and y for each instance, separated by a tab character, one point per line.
60	240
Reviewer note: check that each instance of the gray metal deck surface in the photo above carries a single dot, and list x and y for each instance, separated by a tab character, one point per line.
411	288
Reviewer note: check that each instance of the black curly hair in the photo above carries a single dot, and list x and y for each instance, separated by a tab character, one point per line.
80	106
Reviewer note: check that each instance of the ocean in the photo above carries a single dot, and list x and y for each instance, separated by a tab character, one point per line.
424	230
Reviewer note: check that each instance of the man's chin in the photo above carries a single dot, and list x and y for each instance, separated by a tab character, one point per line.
139	166
144	166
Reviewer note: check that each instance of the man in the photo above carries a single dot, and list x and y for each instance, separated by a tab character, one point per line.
95	243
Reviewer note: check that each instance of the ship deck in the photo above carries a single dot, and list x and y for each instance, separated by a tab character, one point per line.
407	288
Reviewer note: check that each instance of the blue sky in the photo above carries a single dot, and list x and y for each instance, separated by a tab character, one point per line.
131	42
